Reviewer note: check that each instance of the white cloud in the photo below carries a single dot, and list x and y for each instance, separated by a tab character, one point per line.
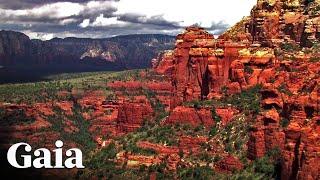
85	23
203	12
54	10
37	35
67	21
103	21
59	10
186	13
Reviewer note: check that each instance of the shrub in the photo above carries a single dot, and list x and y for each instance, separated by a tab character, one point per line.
315	59
284	122
103	158
157	168
248	101
214	115
83	136
315	10
199	104
284	89
289	47
224	89
199	173
248	69
130	145
238	144
213	131
204	157
267	165
199	128
181	153
264	165
196	105
216	158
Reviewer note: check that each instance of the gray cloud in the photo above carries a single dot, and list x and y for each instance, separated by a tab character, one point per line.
22	4
218	27
54	13
142	19
27	16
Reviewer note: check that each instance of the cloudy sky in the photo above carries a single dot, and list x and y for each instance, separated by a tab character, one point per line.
45	19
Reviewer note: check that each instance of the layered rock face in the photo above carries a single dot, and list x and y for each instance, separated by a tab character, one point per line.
299	141
273	21
205	68
192	116
193	49
201	64
164	63
132	115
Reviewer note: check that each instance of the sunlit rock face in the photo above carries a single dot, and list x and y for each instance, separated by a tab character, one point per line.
274	21
201	64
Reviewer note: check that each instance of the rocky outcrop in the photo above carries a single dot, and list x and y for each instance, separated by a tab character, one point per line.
133	114
193	49
201	64
289	122
230	163
205	68
226	114
274	21
192	116
164	64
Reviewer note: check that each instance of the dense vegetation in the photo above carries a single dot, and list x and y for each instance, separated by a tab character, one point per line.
248	101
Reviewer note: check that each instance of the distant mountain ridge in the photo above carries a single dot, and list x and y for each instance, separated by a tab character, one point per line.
121	52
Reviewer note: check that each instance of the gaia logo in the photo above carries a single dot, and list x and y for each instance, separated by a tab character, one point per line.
42	157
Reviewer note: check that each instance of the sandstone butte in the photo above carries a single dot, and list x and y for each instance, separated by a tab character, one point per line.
204	68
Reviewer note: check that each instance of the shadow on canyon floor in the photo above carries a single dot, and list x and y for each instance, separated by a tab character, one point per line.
35	74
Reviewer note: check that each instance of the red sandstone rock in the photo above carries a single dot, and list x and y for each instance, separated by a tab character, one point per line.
160	149
69	126
200	67
65	106
172	162
233	88
164	64
187	142
256	144
92	99
271	116
192	116
132	115
230	163
45	109
226	114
